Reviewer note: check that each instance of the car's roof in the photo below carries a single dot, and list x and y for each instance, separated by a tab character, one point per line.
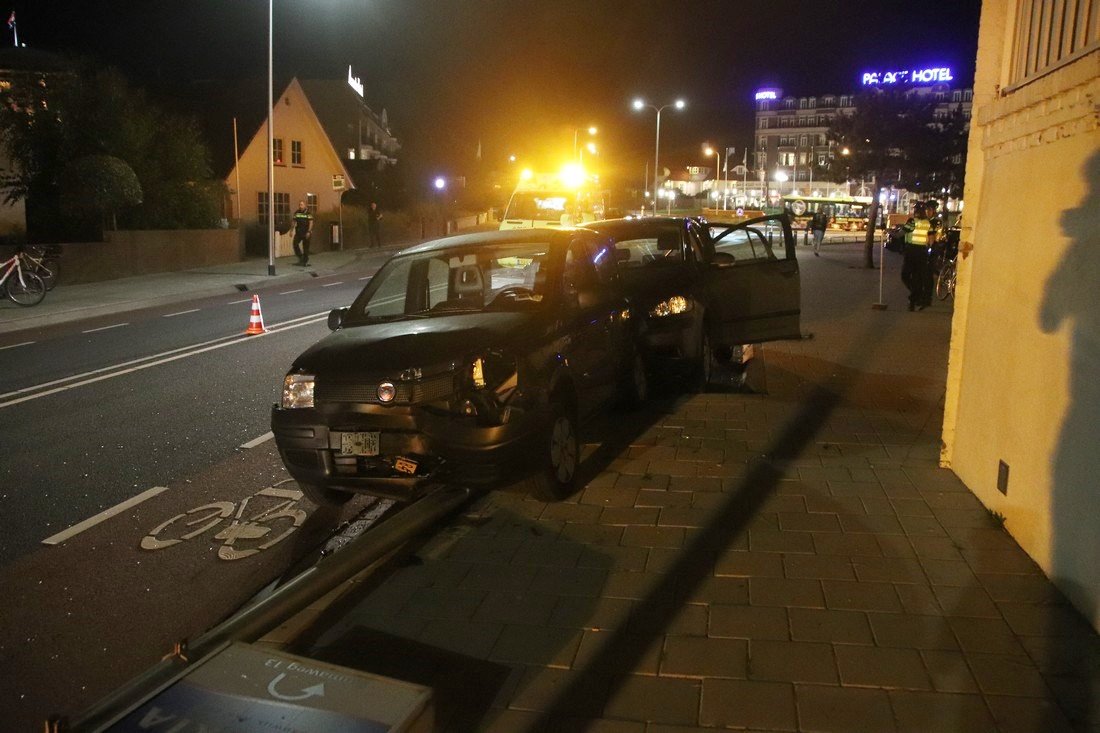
508	236
641	222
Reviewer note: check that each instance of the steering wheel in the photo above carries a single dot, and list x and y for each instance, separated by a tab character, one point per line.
513	291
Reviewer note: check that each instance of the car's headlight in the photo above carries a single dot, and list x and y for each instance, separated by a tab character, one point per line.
298	390
673	306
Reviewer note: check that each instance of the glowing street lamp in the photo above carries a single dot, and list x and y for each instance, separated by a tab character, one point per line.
640	104
592	130
440	183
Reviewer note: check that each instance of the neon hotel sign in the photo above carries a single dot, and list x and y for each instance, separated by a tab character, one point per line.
931	75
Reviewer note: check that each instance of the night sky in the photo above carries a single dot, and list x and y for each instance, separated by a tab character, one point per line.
521	75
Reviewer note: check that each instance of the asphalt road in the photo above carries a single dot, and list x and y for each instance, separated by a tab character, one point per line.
110	428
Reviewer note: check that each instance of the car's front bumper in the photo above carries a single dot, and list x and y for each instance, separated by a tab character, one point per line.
443	447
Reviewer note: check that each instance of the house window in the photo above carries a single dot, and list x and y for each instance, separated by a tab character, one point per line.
311	203
761	160
763	142
786	159
295	152
802	159
1050	34
282	206
763	123
802	142
277	151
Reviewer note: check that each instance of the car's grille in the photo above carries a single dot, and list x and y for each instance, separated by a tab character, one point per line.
365	389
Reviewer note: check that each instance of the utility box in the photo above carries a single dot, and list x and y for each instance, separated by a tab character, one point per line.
245	689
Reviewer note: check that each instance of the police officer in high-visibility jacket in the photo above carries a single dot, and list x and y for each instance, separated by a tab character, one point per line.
303	230
916	272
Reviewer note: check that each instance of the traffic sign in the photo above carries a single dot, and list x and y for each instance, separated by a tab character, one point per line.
338	183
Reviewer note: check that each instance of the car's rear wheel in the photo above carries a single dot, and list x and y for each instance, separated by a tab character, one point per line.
322	496
555	477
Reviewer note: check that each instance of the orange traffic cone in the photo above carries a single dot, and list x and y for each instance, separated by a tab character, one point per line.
256	320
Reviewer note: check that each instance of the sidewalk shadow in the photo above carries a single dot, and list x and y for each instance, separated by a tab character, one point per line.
1071	297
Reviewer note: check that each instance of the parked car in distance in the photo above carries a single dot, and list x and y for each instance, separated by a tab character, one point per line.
705	288
467	359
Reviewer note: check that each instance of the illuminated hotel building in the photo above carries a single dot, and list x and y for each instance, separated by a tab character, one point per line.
791	133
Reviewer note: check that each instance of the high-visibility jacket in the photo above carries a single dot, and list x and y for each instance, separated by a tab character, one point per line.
918	232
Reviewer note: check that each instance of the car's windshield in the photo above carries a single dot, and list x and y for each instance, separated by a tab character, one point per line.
469	279
647	246
540	206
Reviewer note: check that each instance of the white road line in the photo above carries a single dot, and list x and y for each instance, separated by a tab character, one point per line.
104	328
90	522
329	285
237	302
368	277
288	292
16	346
257	441
236	339
181	313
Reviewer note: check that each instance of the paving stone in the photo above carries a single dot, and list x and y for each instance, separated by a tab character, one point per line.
748	622
655	699
876	523
844	627
666	617
444	603
967	601
695	484
948	671
614	557
484	549
843	709
918	599
857	596
791	661
530	609
920	712
729	591
628	584
788	503
888	570
567	512
749	564
630	516
936	548
1027	619
644	482
663	498
665	537
684	517
982	538
545	647
573	581
911	507
876	505
1019	588
922	526
870	666
638	653
786	592
1014	561
550	551
474	639
765	540
609	496
911	631
834	504
702	656
964	518
807	522
1026	715
591	534
989	635
857	489
591	613
541	688
820	567
590	725
998	674
895	545
498	577
850	545
748	704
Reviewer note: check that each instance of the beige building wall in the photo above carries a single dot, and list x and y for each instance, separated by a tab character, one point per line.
294	120
1024	371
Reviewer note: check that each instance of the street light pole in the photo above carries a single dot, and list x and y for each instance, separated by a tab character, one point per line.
639	104
270	142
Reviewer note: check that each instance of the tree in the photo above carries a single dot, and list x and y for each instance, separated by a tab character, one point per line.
99	185
94	111
896	139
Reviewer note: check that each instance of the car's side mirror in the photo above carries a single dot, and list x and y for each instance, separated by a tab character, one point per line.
336	318
723	259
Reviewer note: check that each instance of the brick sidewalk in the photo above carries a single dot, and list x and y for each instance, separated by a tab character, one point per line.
793	560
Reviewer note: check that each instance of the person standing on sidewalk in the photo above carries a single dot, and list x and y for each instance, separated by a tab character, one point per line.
303	230
915	272
374	216
819	222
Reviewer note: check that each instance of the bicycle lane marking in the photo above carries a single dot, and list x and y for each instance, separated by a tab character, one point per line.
104	515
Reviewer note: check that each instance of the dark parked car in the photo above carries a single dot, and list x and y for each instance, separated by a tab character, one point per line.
464	359
706	288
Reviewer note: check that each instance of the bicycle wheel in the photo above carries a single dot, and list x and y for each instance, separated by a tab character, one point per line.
25	288
49	271
945	281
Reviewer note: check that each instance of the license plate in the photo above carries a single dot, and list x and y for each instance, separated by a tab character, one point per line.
405	465
359	444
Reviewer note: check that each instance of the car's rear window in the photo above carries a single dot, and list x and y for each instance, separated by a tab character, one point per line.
647	247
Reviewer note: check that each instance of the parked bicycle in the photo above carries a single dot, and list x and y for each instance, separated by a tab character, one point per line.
44	262
945	279
20	283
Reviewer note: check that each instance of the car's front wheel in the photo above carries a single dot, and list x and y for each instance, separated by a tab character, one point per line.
559	456
322	496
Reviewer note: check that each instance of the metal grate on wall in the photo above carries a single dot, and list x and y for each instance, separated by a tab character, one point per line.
1051	34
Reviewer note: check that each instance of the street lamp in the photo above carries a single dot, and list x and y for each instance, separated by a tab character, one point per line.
440	183
592	130
640	104
717	171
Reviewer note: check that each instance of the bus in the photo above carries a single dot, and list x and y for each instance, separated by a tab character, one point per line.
544	201
848	213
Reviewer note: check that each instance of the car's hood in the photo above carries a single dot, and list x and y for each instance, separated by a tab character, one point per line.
392	347
648	285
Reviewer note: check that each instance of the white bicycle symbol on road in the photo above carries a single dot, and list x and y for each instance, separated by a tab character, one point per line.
243	537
